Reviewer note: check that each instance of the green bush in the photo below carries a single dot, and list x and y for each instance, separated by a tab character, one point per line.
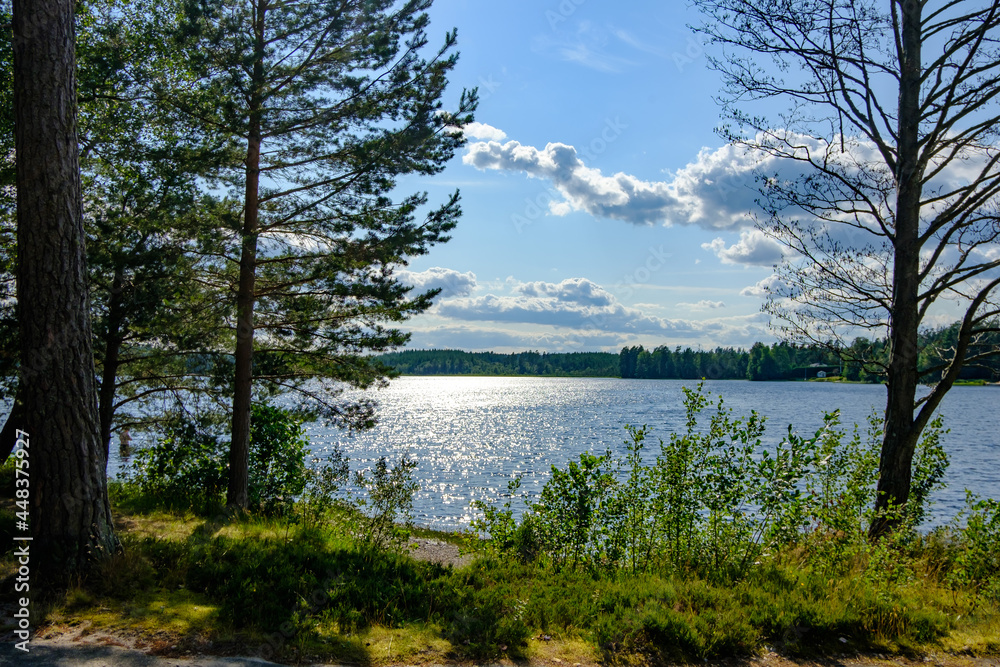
189	465
487	622
977	563
386	515
278	448
265	583
576	509
715	502
258	582
323	484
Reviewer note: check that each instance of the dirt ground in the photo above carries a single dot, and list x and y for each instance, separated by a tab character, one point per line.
438	551
78	648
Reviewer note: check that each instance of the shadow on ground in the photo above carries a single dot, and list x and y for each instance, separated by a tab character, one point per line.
55	653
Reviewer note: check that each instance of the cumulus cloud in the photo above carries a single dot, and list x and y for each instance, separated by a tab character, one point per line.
754	248
546	311
571	290
451	282
483	131
575	313
716	191
579	305
574	303
770	285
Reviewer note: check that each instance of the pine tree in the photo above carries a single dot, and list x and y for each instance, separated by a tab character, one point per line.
322	105
70	513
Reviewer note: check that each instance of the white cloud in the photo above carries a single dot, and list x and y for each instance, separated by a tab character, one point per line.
770	285
571	290
483	131
704	304
636	43
719	190
452	283
476	338
754	248
715	192
577	308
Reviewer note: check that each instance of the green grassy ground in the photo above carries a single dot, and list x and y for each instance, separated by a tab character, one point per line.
286	591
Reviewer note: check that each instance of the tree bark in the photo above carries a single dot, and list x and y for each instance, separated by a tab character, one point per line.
70	514
237	494
900	437
112	350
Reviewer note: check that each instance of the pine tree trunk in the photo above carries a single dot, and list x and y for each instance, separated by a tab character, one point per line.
901	433
70	515
237	495
109	372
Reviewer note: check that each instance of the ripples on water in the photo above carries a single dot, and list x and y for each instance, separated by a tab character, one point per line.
471	435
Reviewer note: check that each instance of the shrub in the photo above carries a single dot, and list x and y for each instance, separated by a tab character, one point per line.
322	489
187	465
385	515
715	501
277	458
575	510
977	563
190	463
487	622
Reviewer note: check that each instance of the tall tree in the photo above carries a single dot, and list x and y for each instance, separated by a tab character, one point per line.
892	122
331	102
147	220
70	514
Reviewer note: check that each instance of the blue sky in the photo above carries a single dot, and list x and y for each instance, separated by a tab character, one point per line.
601	209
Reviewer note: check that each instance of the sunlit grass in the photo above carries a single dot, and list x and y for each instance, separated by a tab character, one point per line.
176	613
292	591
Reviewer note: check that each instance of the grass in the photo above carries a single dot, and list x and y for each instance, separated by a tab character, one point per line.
288	592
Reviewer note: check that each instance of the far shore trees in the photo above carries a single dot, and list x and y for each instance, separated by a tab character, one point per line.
324	105
892	118
70	515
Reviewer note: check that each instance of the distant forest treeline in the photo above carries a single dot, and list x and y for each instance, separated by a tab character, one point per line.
457	362
780	361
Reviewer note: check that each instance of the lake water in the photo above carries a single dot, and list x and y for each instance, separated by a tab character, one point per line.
471	435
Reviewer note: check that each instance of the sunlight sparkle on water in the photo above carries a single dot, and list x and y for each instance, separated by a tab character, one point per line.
471	435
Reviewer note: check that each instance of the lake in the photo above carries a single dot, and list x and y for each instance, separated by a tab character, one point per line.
471	435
